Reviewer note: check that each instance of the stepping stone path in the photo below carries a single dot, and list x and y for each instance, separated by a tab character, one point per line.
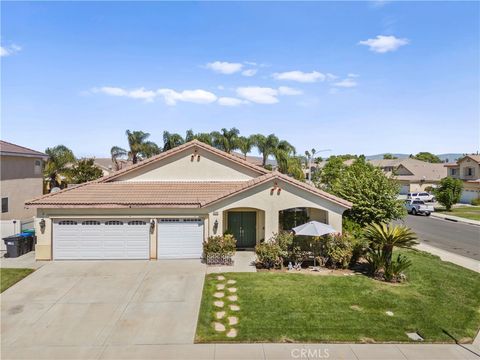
233	298
219	327
220	314
219	295
218	304
220	278
232	333
232	320
231	282
232	290
234	307
220	287
389	313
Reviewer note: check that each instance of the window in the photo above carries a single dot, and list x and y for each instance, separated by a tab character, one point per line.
137	222
37	167
453	172
469	171
91	222
67	222
5	205
113	222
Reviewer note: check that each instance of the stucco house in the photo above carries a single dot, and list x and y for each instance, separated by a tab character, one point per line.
467	169
165	207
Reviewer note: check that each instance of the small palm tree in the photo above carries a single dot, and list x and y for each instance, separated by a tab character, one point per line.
59	157
245	145
226	140
172	140
116	153
266	145
384	237
135	142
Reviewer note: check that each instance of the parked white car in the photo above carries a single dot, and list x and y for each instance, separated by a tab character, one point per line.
425	196
416	207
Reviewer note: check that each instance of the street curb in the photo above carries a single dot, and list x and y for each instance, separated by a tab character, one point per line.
455	219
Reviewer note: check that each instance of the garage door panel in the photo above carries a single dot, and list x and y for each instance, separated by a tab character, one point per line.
180	238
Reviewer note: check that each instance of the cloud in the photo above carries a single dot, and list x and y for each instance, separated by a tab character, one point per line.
249	72
383	43
300	76
230	101
264	95
352	75
9	50
140	93
346	83
197	96
224	67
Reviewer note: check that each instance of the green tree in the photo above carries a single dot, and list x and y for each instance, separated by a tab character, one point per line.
449	192
203	137
245	145
266	145
226	140
427	157
139	147
373	194
117	153
172	140
59	158
84	170
332	171
389	157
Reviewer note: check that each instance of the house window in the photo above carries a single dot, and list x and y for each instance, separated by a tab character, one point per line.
453	172
37	167
469	171
5	205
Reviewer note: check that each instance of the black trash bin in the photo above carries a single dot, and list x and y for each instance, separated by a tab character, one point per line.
15	246
28	241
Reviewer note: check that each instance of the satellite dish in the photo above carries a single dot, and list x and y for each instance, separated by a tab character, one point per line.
55	190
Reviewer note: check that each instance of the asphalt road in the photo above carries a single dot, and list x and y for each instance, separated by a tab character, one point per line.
459	238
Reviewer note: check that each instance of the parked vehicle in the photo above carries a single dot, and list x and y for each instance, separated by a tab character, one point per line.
425	196
415	207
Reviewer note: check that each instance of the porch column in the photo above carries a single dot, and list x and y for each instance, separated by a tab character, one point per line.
271	224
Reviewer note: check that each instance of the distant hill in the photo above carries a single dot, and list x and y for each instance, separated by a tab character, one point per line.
380	156
444	157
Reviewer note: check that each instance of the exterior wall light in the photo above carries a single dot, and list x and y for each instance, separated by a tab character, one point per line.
152	225
215	226
42	225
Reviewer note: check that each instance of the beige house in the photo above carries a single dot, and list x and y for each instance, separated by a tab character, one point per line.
109	167
468	170
21	179
166	206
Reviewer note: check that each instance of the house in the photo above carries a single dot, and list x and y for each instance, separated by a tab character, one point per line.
467	169
165	207
108	166
21	179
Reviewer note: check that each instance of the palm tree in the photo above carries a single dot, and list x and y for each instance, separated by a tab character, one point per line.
149	149
172	140
116	153
59	157
245	145
226	140
266	145
283	151
136	141
384	237
203	137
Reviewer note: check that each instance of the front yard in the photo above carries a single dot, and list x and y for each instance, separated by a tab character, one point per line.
10	277
467	212
438	297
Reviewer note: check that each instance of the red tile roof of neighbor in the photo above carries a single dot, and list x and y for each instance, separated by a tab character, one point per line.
105	193
7	148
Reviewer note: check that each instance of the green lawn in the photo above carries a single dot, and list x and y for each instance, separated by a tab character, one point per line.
467	212
9	277
277	307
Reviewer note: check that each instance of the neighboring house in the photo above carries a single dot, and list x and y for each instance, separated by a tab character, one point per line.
467	169
165	207
21	179
108	166
256	160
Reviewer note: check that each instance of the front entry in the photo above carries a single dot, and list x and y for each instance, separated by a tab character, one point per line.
243	226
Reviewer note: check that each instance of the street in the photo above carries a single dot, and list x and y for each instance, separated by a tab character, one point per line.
459	238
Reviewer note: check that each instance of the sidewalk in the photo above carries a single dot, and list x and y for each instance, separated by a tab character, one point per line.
454	218
459	260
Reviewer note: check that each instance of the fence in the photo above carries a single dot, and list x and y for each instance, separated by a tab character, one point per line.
12	227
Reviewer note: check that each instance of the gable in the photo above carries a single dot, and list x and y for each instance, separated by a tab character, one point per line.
191	164
402	170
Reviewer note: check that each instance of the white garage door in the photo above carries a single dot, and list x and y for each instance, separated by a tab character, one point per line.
468	196
404	189
180	238
101	239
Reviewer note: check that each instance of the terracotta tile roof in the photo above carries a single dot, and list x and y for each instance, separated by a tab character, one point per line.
7	148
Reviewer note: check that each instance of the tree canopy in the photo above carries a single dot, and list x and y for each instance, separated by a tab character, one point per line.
427	157
449	192
84	170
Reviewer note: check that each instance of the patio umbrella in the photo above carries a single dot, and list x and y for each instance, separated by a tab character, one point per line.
314	228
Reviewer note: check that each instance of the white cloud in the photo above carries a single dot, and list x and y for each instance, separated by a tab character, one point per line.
383	43
330	76
224	67
300	76
230	101
352	75
285	90
9	50
346	83
265	95
197	96
249	72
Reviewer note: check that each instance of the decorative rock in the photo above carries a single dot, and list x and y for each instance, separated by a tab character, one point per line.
218	304
219	315
220	277
231	281
232	333
232	320
233	298
232	290
389	313
219	327
220	287
219	295
234	307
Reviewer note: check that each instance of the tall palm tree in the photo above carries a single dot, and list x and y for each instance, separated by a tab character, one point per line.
265	145
226	140
245	145
59	157
203	137
136	140
384	237
116	153
172	140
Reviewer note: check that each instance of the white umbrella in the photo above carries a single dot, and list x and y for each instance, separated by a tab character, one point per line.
314	228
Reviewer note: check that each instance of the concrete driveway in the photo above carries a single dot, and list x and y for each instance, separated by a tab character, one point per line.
90	304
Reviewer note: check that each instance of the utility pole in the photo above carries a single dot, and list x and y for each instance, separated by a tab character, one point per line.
311	156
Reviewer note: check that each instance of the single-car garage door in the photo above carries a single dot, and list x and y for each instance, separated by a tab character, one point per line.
101	239
180	238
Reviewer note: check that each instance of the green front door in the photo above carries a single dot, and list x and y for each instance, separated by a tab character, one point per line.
243	225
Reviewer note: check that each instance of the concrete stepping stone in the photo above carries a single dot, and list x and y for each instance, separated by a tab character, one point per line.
232	290
219	295
220	277
389	313
220	314
233	298
218	304
232	320
231	282
232	333
219	327
234	307
220	287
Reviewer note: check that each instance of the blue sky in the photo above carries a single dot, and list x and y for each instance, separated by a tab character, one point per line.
354	77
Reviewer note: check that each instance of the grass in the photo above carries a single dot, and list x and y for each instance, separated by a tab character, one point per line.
10	277
467	212
279	307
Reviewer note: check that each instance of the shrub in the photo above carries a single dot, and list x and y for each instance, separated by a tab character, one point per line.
394	271
475	202
284	239
223	245
449	192
338	250
269	255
